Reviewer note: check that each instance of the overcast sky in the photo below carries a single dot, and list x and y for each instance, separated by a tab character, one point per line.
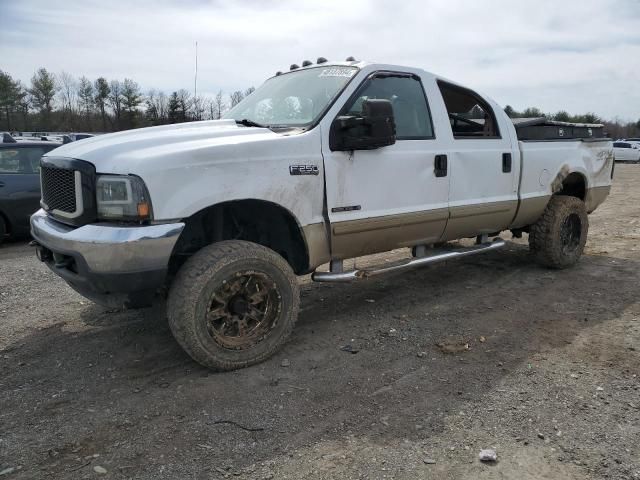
577	55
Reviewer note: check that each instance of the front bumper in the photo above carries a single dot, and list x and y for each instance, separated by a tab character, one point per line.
114	265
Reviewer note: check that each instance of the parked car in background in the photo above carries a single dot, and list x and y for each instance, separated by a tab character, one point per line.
20	183
626	151
80	136
64	137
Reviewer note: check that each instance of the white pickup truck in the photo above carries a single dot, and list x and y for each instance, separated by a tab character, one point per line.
325	162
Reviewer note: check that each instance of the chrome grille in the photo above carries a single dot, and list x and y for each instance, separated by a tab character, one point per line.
59	189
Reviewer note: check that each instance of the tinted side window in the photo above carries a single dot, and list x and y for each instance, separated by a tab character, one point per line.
410	109
469	115
621	145
21	160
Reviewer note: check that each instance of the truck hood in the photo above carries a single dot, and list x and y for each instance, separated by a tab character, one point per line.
131	151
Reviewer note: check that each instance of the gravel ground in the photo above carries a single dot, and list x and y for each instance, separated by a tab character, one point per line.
549	379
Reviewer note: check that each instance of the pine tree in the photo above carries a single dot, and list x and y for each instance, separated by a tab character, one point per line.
42	91
101	88
174	108
85	94
131	100
11	94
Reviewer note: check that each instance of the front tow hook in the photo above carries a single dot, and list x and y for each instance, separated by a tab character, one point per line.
43	254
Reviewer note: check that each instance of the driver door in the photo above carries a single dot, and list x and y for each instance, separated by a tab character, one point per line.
391	196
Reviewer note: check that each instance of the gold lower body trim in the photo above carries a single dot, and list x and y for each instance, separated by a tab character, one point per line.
354	238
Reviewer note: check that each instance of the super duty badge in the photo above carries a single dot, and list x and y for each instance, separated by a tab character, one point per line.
303	170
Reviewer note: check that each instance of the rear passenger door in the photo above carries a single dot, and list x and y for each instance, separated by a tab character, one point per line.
389	197
484	165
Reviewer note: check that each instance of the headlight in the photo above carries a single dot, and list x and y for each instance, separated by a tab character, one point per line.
122	197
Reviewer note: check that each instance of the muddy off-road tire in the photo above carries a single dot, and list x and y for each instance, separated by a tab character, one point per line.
233	304
557	239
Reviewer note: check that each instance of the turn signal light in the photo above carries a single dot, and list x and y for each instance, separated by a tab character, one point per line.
143	210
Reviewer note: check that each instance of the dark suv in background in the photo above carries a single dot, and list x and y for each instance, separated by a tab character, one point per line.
20	184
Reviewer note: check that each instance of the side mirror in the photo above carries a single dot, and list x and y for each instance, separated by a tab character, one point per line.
374	128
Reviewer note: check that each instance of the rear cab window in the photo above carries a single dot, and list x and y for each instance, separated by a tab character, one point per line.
470	116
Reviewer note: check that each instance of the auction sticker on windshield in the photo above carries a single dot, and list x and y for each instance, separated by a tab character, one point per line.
338	72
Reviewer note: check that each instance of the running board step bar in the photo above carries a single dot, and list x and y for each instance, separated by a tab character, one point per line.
339	276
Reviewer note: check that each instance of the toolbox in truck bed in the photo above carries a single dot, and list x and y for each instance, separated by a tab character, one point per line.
544	129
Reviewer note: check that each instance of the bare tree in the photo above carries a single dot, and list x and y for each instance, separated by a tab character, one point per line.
67	87
218	101
156	107
162	105
236	97
24	105
115	100
198	107
210	109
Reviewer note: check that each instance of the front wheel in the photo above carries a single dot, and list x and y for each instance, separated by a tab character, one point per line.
557	239
233	304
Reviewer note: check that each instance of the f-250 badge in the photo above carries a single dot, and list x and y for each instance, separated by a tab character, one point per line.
303	170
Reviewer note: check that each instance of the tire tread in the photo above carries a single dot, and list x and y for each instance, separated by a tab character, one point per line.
187	286
544	235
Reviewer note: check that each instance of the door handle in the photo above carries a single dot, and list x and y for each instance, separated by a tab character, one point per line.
440	166
506	162
1	184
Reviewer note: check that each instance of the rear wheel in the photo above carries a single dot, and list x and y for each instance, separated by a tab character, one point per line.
233	304
558	238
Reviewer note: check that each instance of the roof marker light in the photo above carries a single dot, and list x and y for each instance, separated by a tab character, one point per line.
321	60
350	59
293	67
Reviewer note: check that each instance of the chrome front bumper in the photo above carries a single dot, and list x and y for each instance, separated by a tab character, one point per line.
103	260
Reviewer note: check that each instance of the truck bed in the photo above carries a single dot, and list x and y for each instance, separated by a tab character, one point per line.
547	163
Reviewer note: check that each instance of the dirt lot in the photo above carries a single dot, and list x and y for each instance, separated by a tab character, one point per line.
550	379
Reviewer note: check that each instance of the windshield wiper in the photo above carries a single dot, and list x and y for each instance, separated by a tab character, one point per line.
250	123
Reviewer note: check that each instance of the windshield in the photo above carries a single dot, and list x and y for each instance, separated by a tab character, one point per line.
294	99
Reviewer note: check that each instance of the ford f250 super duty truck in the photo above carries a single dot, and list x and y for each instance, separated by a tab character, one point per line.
325	162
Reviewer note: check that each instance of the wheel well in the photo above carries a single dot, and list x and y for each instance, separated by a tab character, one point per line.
256	221
574	185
